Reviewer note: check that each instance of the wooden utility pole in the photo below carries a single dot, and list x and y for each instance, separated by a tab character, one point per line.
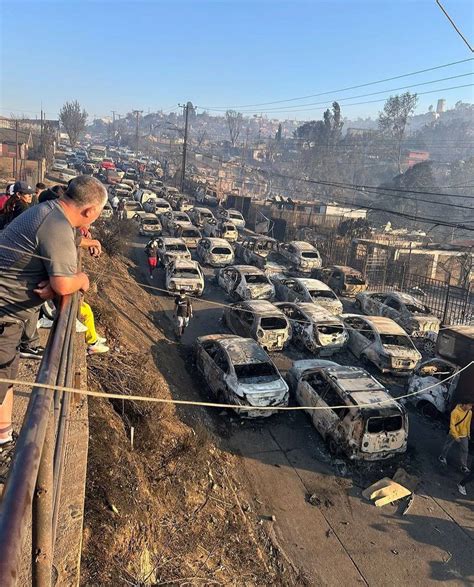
137	114
16	151
113	125
185	108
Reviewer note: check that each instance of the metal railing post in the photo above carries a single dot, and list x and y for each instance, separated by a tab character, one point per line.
42	515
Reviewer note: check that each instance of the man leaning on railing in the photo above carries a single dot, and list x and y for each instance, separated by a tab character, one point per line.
38	260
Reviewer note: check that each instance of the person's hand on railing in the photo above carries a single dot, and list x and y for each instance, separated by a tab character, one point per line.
44	290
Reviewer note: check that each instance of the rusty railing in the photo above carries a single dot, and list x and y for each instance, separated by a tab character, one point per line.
32	491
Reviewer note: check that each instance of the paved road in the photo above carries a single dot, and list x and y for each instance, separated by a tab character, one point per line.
338	537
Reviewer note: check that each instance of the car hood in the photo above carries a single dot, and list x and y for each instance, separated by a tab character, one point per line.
401	352
261	394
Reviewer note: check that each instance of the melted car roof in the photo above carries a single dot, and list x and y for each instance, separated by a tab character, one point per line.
243	351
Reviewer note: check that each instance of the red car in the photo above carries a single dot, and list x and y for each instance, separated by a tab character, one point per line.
107	164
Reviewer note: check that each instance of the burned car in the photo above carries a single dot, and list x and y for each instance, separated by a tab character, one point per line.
314	328
261	320
344	280
245	282
170	248
412	315
215	252
301	289
220	229
149	225
131	208
168	218
233	216
187	231
438	377
255	250
184	275
240	373
301	256
358	417
200	215
383	342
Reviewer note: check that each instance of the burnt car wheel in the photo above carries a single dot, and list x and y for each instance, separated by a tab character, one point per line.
427	409
429	346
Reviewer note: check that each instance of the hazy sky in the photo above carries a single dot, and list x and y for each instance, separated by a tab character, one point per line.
154	54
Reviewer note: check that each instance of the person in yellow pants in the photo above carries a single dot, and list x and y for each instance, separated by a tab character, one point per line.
95	343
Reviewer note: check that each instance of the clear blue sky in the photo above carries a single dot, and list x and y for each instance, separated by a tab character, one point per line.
154	54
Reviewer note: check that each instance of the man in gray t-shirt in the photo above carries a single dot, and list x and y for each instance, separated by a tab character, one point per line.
38	260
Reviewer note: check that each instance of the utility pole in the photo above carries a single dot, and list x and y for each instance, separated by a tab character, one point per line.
16	150
137	114
113	125
185	108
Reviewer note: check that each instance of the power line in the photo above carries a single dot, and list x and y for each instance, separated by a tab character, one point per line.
388	79
454	26
291	109
357	103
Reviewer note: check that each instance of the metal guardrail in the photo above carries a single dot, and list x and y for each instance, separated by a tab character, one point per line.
33	487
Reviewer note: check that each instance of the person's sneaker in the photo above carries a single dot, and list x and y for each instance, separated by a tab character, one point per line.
101	340
27	352
44	322
151	276
465	470
80	327
97	348
462	489
442	460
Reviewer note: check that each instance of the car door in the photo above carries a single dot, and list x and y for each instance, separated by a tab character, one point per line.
336	281
391	308
289	294
356	340
216	367
367	341
299	293
298	321
226	278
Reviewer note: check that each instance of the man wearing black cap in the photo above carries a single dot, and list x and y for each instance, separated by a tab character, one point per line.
19	202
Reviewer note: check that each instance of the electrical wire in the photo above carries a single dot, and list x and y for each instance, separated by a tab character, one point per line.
142	398
455	27
388	79
289	109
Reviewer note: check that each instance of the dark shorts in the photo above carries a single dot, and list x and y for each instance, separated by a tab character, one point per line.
10	336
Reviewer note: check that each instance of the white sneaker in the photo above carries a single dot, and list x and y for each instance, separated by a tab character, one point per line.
97	348
462	489
80	327
44	322
101	340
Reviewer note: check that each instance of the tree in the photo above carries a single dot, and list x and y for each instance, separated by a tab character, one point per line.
73	119
234	122
393	120
278	133
200	137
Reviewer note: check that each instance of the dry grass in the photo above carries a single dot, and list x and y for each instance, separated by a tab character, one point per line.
164	512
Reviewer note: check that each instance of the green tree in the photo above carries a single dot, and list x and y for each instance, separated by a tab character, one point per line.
394	118
73	118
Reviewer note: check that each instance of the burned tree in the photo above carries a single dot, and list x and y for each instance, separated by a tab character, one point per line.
234	122
393	120
73	119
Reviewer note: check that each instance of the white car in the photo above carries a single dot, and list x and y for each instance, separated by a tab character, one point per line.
59	164
301	289
383	342
240	373
184	275
233	216
302	256
215	252
187	231
170	248
412	315
244	282
314	328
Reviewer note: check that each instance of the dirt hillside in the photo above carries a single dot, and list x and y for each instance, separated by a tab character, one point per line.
171	509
